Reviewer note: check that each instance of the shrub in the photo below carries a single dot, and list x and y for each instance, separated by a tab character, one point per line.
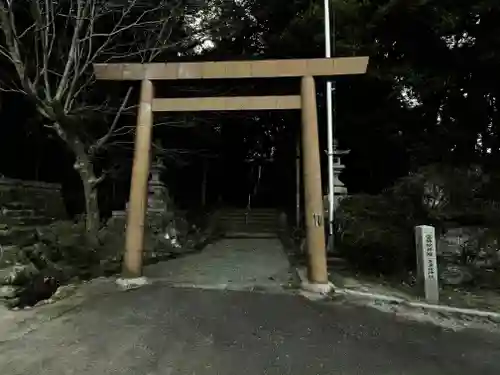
375	232
69	245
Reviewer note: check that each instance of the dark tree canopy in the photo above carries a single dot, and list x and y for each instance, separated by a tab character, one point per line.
431	93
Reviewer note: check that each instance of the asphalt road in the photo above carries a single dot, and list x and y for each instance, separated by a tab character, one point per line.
160	330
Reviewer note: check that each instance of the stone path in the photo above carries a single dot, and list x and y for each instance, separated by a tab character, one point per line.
160	330
157	330
234	264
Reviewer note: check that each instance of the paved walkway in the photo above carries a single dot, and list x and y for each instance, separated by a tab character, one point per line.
158	330
235	264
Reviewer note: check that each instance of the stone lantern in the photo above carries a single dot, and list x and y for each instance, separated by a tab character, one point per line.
339	190
158	201
158	209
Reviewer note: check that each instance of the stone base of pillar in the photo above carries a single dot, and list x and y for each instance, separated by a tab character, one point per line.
321	289
132	283
317	289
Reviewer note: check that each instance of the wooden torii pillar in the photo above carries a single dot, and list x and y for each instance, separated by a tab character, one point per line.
306	102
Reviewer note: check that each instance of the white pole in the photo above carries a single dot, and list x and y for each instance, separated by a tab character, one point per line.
329	110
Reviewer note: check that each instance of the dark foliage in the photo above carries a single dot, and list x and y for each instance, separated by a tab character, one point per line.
375	232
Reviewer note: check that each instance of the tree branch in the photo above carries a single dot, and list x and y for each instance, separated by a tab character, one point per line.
101	141
7	24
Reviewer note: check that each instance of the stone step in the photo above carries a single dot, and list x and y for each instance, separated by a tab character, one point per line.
19	236
17	212
247	228
252	213
271	221
236	234
25	220
251	228
239	222
9	254
336	260
241	228
250	222
15	205
240	219
255	215
253	209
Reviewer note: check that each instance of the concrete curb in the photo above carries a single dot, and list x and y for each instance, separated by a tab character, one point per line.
231	287
403	302
422	305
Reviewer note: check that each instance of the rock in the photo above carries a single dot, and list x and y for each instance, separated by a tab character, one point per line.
8	291
12	303
190	244
46	234
19	235
282	221
455	275
171	236
40	287
181	227
474	243
112	242
109	266
303	246
17	274
63	292
7	275
38	254
9	255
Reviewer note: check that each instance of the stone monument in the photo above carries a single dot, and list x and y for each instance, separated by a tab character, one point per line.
339	189
427	271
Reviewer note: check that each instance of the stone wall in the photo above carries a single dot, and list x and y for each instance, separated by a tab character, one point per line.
469	254
24	206
40	251
43	199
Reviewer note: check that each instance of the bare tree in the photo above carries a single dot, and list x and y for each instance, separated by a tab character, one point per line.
51	46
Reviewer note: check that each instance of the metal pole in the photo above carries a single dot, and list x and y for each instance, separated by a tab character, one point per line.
297	183
329	110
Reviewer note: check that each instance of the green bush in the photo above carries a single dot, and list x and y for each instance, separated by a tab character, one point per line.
375	232
69	244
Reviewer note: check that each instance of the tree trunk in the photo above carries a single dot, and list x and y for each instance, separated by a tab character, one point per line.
84	167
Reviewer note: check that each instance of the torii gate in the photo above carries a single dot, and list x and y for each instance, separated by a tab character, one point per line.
306	102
